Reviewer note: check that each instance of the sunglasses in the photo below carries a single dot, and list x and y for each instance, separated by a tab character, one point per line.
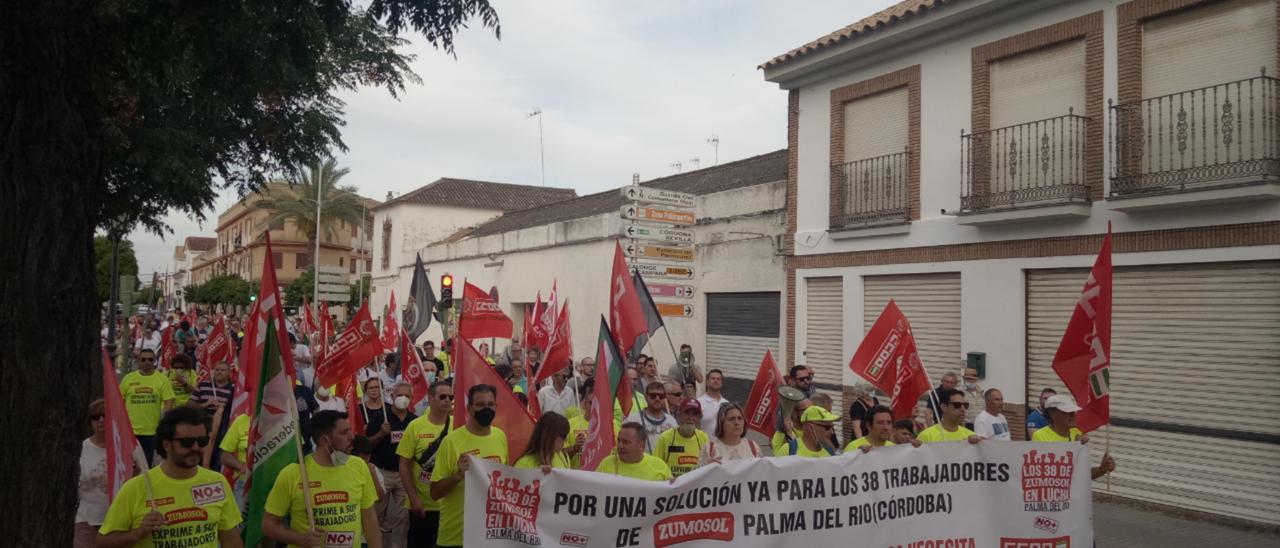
95	417
656	395
958	404
148	360
803	379
445	397
675	394
187	443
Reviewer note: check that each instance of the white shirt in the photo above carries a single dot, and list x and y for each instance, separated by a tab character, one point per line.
716	449
93	484
151	343
549	400
710	412
652	428
334	403
992	427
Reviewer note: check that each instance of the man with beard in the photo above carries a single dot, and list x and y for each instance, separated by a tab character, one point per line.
193	505
678	447
340	484
479	438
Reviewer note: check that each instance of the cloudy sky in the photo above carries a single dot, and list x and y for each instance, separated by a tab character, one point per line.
624	87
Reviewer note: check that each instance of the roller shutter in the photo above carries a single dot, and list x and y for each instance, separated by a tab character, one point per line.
876	125
931	302
740	328
824	330
1041	84
1196	370
1215	44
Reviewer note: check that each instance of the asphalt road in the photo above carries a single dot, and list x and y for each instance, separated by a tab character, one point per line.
1123	526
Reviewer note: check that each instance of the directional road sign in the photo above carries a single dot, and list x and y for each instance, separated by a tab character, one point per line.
332	281
669	290
658	234
653	270
675	310
655	215
666	253
652	195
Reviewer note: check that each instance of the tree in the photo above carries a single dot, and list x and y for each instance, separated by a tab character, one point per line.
300	288
127	265
124	111
360	291
294	199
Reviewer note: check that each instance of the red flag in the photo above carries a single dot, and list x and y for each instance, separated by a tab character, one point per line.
625	313
309	325
1083	360
168	347
762	404
411	364
559	348
268	304
391	328
609	369
470	369
481	316
354	416
354	349
241	403
530	323
121	444
216	348
326	332
888	359
544	322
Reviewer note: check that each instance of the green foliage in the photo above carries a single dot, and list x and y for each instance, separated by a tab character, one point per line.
297	201
228	289
149	295
360	293
126	265
300	288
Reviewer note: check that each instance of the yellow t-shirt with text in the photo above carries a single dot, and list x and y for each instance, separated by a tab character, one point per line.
462	442
338	496
419	435
236	440
181	395
936	433
1047	434
144	397
579	425
678	452
861	442
195	508
560	460
650	468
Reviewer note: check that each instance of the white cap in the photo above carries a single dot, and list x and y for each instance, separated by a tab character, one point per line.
1062	402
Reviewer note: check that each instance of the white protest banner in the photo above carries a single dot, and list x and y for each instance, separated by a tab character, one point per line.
945	495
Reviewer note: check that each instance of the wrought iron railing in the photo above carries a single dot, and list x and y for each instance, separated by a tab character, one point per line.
1221	135
875	190
1031	164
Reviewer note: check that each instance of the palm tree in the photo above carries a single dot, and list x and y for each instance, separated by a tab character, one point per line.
294	199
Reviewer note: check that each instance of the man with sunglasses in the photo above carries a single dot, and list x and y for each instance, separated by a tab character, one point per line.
146	394
816	426
192	505
951	427
417	452
801	378
654	417
478	438
557	397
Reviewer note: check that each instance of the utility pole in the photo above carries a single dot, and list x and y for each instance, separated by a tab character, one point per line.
315	261
677	165
542	148
714	141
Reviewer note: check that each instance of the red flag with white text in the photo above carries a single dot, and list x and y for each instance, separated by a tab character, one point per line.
391	328
123	450
529	337
888	359
470	369
358	345
268	304
626	315
1083	360
481	316
216	348
559	348
309	325
168	348
762	403
411	365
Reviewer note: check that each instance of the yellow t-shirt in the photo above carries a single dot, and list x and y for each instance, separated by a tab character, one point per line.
802	451
861	442
579	425
196	508
638	403
779	444
236	440
419	435
338	493
650	468
144	397
462	442
560	460
1047	434
936	433
679	453
181	394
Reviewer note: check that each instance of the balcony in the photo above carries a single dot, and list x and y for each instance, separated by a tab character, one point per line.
875	195
1209	145
1030	171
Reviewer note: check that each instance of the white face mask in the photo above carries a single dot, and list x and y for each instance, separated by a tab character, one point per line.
431	377
322	392
339	457
402	402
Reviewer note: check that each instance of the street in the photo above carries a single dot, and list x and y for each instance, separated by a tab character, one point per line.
1126	526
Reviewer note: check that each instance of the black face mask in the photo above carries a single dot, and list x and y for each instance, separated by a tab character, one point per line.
484	417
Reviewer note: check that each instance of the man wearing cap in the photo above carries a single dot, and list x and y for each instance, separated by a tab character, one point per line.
816	424
679	446
1062	427
951	427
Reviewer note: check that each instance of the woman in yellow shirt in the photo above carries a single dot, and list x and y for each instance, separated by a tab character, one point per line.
546	444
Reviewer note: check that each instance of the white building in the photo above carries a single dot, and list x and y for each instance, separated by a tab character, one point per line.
738	266
966	157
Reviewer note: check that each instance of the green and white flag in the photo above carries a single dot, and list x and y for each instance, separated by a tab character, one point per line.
272	434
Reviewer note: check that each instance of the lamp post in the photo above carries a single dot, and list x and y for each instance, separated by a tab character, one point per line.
115	232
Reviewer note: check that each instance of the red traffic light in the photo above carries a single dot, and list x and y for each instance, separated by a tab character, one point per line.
446	280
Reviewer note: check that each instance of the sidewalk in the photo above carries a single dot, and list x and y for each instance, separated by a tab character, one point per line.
1123	526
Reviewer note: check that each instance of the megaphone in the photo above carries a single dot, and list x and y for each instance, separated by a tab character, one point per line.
791	396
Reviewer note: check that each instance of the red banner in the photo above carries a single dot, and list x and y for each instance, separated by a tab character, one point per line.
391	327
121	444
626	315
411	365
168	348
481	316
216	348
1083	360
267	304
762	404
354	416
470	369
530	335
358	345
600	441
309	325
559	349
888	359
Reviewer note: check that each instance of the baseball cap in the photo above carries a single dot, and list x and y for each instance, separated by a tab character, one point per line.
690	405
817	413
1062	402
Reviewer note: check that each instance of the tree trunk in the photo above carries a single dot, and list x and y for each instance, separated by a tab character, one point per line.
50	175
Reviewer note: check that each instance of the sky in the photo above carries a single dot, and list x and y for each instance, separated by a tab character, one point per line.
624	87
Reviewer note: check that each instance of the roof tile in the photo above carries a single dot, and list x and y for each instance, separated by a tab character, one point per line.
889	16
482	195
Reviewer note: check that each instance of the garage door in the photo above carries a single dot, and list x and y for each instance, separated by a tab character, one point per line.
1194	384
824	332
740	328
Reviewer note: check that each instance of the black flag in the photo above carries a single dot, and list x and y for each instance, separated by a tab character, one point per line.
422	303
653	319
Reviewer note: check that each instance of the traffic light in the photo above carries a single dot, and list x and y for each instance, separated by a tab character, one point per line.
446	291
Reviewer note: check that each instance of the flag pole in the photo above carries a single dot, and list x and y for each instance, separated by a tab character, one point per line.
1107	451
302	464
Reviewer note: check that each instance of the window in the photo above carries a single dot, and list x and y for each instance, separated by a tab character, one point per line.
353	267
875	142
278	259
340	263
301	261
386	244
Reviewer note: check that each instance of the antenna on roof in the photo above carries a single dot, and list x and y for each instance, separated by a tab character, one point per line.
696	162
714	141
542	150
678	166
635	178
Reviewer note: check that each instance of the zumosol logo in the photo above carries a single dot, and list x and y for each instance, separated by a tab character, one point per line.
708	525
186	514
331	497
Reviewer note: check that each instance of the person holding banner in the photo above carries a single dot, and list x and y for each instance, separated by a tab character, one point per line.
146	395
784	437
730	442
951	426
580	424
679	447
631	461
879	428
393	513
1062	410
92	489
816	426
417	451
479	438
342	489
546	444
178	501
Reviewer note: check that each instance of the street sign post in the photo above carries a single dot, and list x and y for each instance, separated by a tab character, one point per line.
670	290
332	284
655	270
655	215
652	195
676	310
666	253
658	234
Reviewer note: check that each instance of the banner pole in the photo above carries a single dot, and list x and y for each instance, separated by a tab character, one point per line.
1107	451
302	463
